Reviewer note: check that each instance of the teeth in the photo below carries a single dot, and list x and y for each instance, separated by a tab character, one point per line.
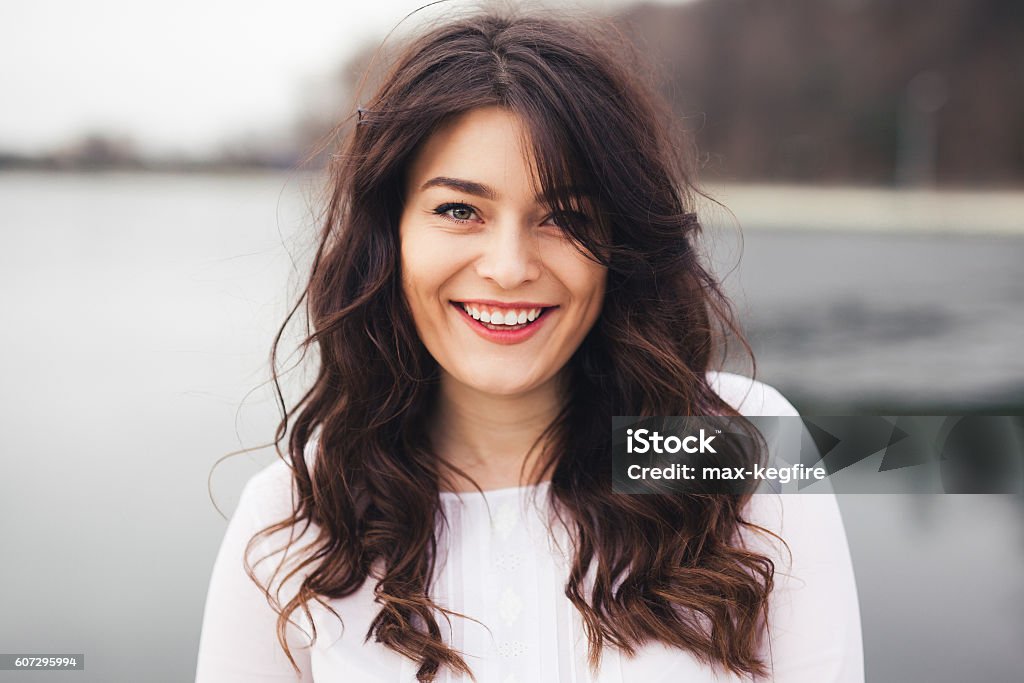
502	316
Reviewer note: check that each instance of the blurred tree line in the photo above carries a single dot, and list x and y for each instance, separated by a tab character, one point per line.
905	92
863	91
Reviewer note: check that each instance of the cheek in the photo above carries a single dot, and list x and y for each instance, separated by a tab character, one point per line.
426	265
418	264
589	292
584	279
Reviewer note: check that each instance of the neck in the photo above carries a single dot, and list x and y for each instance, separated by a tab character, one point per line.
489	437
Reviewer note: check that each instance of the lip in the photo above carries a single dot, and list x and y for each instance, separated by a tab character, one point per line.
503	336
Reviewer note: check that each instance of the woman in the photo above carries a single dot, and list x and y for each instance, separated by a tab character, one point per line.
507	261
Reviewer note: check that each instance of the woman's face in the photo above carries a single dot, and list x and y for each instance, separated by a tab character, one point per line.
474	236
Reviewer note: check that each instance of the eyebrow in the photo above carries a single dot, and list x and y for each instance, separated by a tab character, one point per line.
480	190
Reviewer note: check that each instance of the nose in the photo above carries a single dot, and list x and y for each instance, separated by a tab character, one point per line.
510	256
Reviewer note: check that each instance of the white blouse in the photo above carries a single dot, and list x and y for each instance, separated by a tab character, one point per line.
502	566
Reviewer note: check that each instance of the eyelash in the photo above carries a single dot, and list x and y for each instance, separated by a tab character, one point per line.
443	210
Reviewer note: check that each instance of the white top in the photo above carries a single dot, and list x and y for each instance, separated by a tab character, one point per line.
502	568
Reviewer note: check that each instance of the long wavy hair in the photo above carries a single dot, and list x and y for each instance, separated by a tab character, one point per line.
670	568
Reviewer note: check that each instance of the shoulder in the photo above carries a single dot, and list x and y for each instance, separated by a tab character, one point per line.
749	396
269	493
269	499
814	620
814	605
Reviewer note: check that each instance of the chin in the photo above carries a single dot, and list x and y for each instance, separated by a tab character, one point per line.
502	388
499	381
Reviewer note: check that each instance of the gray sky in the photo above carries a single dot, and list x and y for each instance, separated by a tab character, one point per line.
177	76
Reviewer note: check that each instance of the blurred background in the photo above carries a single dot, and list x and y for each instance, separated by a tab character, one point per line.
159	192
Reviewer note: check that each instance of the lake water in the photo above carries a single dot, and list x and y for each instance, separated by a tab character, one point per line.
139	312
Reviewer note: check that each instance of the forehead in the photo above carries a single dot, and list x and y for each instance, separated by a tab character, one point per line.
484	152
489	145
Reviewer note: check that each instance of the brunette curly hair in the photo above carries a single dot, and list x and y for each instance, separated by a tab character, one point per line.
665	567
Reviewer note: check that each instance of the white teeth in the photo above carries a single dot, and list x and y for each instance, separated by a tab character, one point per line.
506	317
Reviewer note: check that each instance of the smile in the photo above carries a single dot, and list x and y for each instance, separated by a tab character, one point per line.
500	324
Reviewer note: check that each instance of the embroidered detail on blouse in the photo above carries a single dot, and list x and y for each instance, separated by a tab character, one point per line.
505	519
509	606
508	562
511	648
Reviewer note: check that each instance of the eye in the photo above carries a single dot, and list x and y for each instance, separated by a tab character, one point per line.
455	211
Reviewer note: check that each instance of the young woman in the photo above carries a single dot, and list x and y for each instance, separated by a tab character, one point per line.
509	258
